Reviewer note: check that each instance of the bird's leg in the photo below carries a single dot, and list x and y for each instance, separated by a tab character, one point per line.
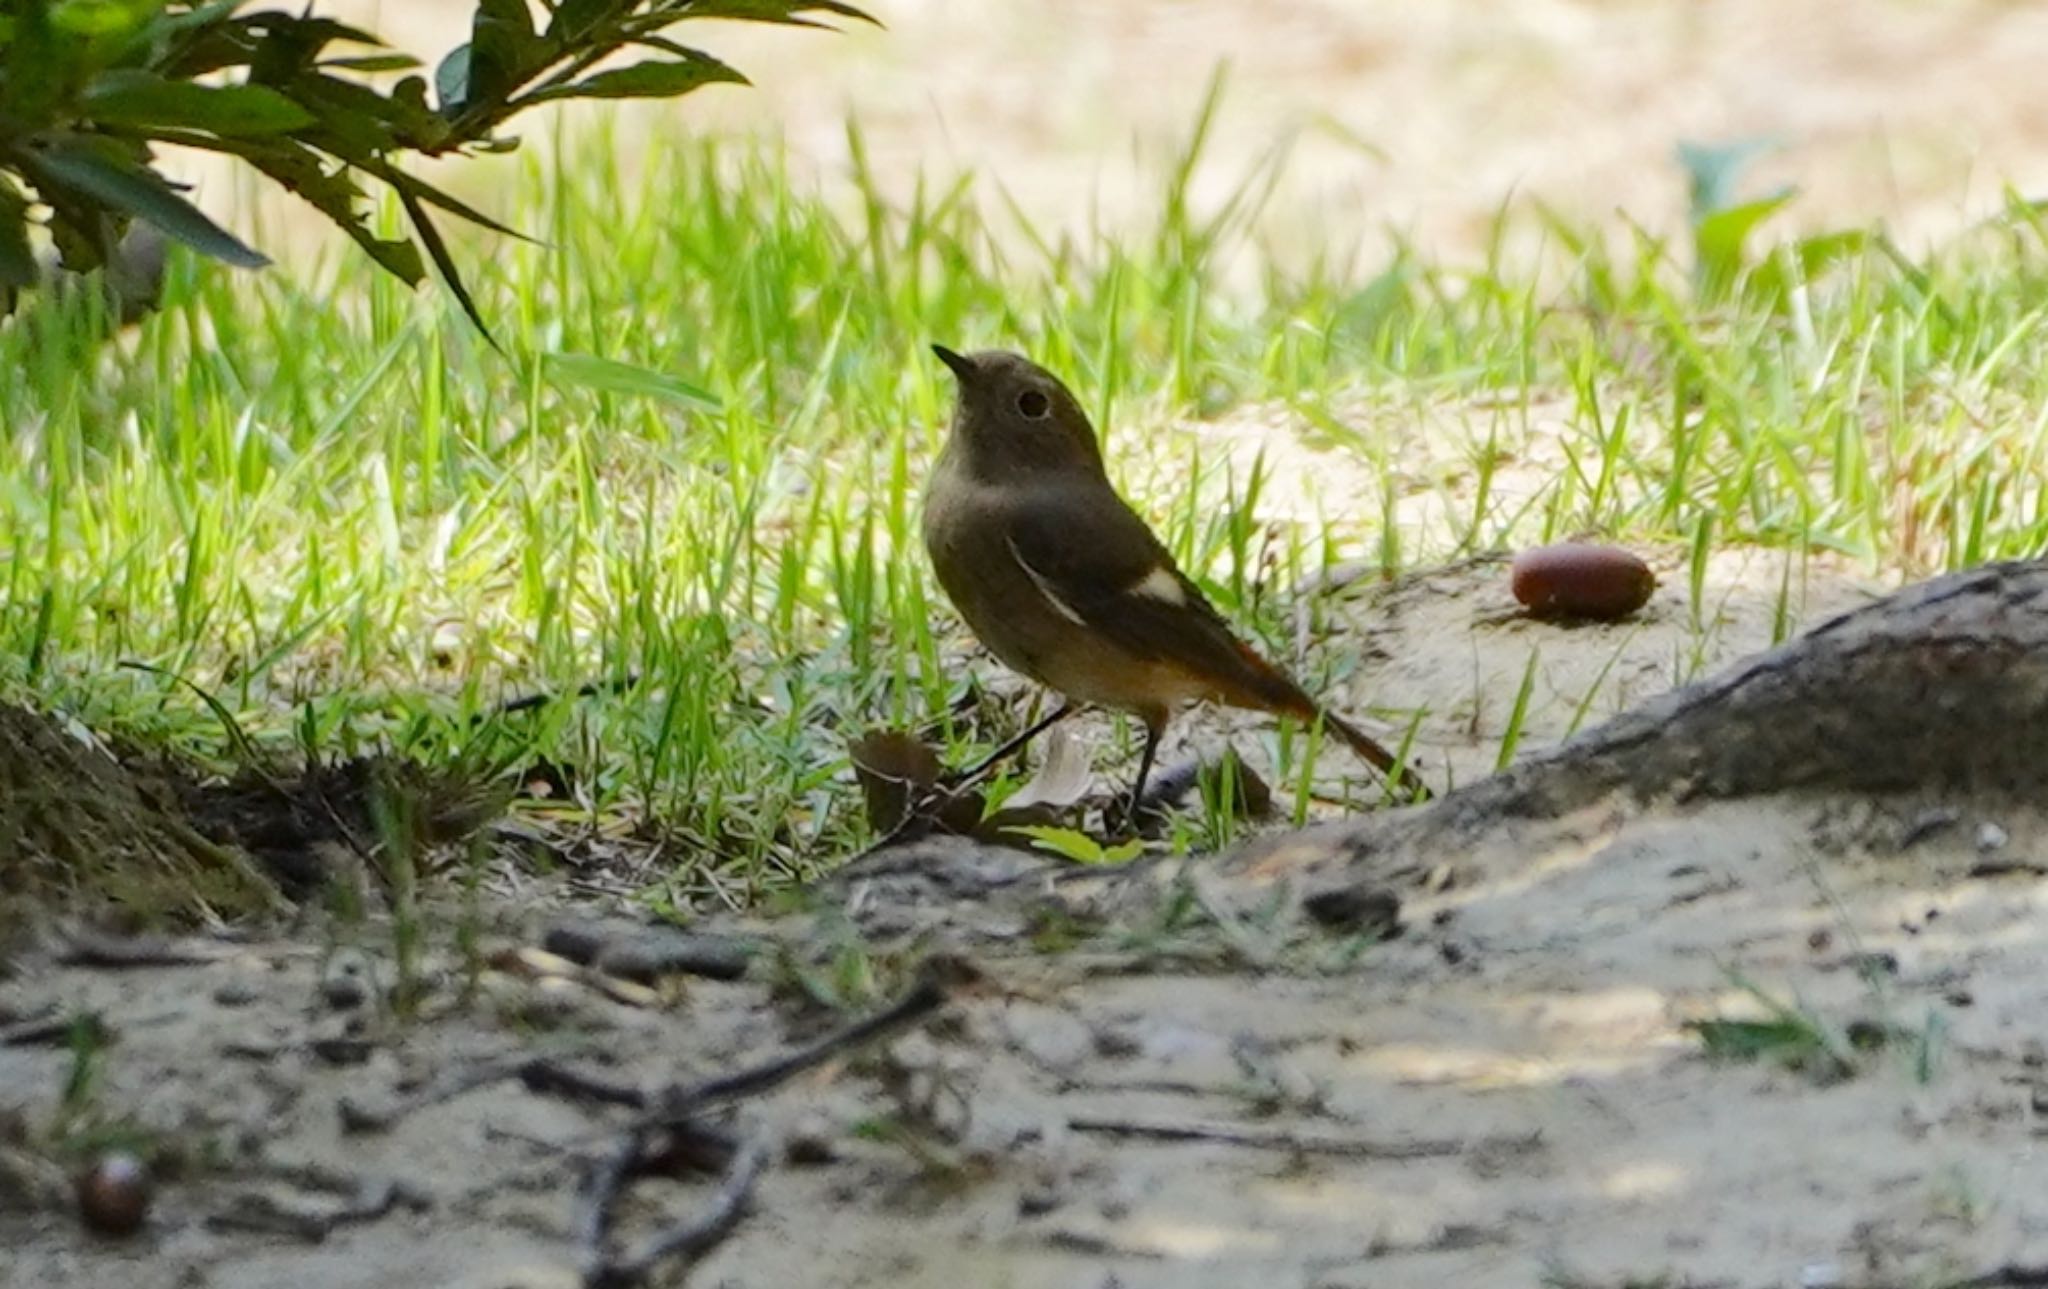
974	773
1155	726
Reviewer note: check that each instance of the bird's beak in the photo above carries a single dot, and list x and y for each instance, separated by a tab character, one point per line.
962	365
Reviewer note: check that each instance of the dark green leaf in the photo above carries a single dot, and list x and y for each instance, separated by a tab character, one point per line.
281	44
609	376
411	94
335	195
366	121
99	17
430	237
664	44
141	100
17	261
574	19
646	80
209	49
309	28
40	66
132	188
774	11
503	51
375	63
433	196
212	13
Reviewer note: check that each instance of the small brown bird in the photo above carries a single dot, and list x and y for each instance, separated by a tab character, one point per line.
1062	580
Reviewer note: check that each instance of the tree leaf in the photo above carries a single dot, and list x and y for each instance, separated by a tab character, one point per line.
609	376
374	63
645	80
503	51
366	120
437	250
776	11
40	65
335	195
451	80
133	189
98	19
893	767
1070	843
312	30
432	196
574	19
140	99
17	261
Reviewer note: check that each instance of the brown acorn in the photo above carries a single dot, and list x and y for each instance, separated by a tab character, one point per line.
1578	580
114	1194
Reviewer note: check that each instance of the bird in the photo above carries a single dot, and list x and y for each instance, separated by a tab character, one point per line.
1063	581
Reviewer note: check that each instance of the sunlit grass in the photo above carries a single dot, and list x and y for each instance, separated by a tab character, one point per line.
330	504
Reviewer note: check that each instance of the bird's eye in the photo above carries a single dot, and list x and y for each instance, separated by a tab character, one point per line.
1033	404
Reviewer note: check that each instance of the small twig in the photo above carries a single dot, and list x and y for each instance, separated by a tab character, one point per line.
550	1078
547	1076
2009	1276
696	1234
372	1198
601	1192
46	1027
528	702
677	1102
610	1175
648	954
680	1101
1307	1143
359	1118
85	949
2012	1275
1093	1244
1986	868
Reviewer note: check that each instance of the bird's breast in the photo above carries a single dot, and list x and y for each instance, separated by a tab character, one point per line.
1017	621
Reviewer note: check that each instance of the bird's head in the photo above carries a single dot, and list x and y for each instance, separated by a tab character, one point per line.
1015	416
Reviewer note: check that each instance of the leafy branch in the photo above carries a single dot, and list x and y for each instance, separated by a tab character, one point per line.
89	87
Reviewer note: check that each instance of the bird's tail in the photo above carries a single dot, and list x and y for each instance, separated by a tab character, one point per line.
1262	686
1399	777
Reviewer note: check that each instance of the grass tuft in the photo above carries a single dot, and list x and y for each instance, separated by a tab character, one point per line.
328	504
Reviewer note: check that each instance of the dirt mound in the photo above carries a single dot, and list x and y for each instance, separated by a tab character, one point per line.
76	822
129	837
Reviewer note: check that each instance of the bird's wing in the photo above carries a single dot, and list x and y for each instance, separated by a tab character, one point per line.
1099	566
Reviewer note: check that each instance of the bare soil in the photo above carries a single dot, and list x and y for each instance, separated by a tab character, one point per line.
1166	1084
1506	1093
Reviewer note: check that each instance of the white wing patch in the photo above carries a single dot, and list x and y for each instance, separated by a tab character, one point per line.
1160	584
1038	580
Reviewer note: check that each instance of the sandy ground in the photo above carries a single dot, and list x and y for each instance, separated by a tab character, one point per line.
1505	1092
1503	1095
